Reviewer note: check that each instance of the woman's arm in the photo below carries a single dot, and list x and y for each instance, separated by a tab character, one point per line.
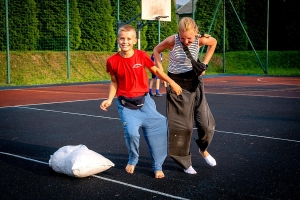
167	43
211	44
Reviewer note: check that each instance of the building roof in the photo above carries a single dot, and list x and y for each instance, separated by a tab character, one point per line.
186	8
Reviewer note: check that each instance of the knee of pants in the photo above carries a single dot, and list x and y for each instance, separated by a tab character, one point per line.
131	129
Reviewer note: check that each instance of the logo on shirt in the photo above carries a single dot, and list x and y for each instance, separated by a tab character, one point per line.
136	66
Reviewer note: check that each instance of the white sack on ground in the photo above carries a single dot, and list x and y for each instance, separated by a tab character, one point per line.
78	161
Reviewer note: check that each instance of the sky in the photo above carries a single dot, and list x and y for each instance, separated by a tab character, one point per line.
181	2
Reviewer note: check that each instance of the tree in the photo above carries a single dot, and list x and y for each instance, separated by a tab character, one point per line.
204	16
235	12
74	20
2	26
256	23
52	24
23	31
96	27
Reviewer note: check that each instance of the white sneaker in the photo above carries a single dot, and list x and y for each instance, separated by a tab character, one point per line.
209	159
190	170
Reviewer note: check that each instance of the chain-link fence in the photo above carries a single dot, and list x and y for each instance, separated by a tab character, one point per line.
50	33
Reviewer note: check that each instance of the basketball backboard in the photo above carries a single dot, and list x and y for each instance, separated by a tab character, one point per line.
156	9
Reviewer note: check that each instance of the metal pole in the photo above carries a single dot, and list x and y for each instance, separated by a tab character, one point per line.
7	43
224	25
212	22
139	35
118	23
193	10
68	41
247	36
158	19
267	52
158	30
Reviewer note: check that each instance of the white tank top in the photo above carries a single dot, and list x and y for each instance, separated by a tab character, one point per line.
179	62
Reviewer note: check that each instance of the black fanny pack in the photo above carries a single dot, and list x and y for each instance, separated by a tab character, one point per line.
198	66
132	103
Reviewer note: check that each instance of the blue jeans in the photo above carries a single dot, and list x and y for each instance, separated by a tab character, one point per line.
154	127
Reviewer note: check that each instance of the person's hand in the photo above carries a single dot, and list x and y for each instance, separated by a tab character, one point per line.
176	88
105	104
163	82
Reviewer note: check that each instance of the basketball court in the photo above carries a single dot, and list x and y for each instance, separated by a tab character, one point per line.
256	143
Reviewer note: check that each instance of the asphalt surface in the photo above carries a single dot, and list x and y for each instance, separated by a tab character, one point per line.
256	146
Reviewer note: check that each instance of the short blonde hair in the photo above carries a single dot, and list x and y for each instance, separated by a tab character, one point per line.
126	28
186	24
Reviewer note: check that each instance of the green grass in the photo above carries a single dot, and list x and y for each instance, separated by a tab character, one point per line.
35	68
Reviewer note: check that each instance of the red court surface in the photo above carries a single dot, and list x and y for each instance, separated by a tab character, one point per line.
288	87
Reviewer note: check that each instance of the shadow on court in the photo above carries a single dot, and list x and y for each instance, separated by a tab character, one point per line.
256	143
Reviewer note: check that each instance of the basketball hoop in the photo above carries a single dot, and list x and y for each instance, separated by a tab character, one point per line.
159	17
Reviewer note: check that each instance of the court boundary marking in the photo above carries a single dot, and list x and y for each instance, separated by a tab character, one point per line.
113	118
54	102
106	179
219	93
271	83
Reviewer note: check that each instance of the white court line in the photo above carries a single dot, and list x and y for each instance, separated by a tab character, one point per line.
106	179
250	95
260	136
71	113
53	86
9	154
98	116
53	103
137	187
272	83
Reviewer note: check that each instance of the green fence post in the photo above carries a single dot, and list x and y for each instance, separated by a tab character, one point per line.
7	43
68	41
118	23
193	12
267	45
224	26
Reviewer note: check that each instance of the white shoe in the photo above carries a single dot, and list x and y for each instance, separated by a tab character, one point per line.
190	170
209	160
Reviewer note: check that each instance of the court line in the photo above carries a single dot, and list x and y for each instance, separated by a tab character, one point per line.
137	187
61	92
55	102
244	134
220	93
99	116
71	113
53	86
251	95
272	83
106	179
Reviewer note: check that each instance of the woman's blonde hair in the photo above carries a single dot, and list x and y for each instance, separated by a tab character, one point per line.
187	23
